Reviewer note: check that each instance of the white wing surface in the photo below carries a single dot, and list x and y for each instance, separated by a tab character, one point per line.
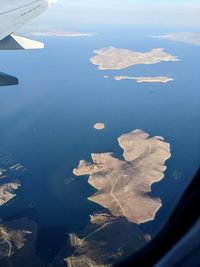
13	15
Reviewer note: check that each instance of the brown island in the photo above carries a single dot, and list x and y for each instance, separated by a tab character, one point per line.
157	79
99	126
122	190
112	58
7	191
122	185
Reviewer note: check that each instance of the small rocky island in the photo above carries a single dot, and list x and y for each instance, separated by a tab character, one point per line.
53	32
157	79
99	126
7	191
112	58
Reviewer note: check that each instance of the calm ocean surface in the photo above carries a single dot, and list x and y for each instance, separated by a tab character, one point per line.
46	123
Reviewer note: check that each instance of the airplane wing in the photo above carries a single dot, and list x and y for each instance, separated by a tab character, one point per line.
13	15
6	80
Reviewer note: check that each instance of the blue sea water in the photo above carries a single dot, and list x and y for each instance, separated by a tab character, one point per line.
46	122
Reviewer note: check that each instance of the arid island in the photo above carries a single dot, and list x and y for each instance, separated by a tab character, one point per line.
112	58
53	32
157	79
99	126
185	37
104	241
7	191
122	189
122	185
17	237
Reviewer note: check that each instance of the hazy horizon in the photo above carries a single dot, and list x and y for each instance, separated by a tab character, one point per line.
84	13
